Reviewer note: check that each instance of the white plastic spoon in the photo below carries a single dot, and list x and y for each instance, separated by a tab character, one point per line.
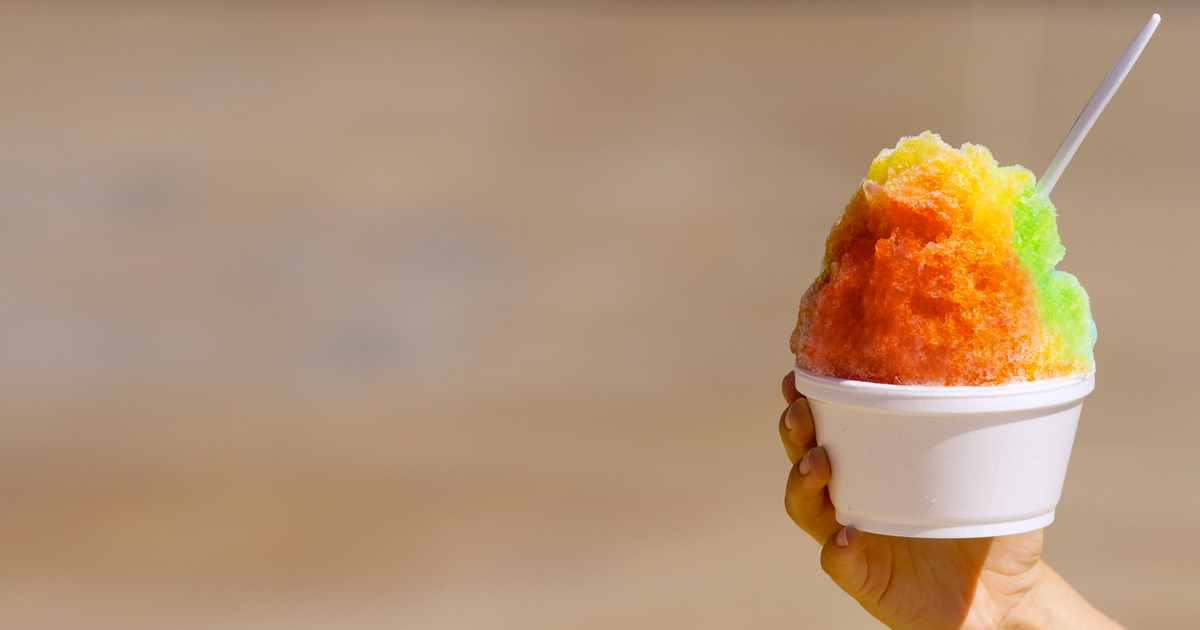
1094	106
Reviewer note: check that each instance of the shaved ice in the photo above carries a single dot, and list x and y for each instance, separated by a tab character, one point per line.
940	271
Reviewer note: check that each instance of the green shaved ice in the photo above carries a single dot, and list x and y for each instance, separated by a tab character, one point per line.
1065	309
1035	232
1067	314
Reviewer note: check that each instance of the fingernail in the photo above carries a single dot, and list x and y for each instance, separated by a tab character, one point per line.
805	467
843	538
787	418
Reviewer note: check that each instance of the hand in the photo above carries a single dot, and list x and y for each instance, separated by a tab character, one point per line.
920	583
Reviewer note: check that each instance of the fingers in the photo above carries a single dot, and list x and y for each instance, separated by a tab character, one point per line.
789	388
796	429
844	558
806	498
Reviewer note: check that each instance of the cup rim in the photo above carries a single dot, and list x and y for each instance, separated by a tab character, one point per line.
945	399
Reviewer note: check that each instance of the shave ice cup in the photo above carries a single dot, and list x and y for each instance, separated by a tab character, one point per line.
945	462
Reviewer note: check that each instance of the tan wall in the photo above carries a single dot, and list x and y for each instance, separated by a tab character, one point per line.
472	315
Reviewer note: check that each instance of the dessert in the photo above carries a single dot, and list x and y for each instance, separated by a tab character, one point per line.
940	271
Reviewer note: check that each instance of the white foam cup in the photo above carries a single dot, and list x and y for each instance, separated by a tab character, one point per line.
945	462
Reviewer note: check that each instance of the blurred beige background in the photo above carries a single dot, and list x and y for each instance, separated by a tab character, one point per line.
472	315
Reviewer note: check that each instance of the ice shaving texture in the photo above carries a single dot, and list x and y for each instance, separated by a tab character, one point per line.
940	271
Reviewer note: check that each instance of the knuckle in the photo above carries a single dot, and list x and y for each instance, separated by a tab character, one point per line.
797	500
789	504
791	510
793	499
826	561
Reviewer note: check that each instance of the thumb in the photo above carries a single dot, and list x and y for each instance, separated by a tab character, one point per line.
845	560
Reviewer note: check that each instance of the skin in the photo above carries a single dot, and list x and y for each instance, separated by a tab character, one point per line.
996	583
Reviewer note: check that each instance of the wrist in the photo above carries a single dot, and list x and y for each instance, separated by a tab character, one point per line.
1052	603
